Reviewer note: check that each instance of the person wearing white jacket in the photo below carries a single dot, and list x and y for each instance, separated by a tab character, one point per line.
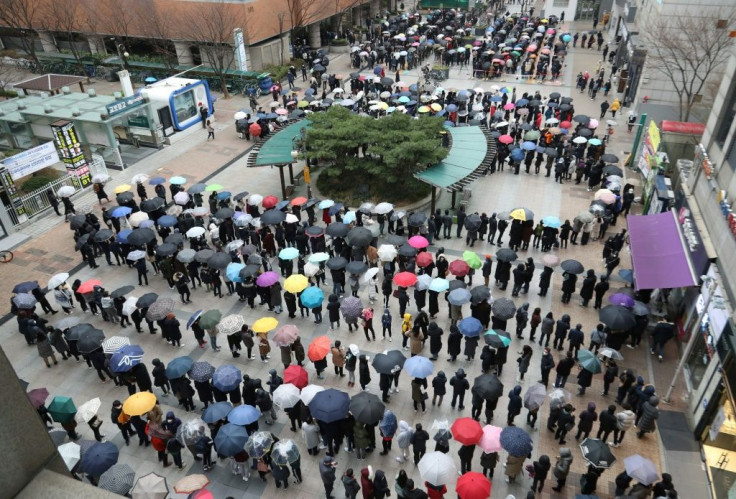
404	440
624	422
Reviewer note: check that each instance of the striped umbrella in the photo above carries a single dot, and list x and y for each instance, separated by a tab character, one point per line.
114	343
118	479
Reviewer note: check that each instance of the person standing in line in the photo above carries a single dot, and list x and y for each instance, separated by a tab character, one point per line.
327	473
122	421
338	358
419	442
53	200
562	468
541	468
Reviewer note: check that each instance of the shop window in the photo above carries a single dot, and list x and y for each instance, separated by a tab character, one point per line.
698	362
561	3
728	114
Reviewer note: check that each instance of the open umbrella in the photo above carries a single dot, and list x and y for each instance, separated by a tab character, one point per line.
506	255
179	367
330	405
285	335
139	403
405	279
38	396
296	283
160	309
70	453
296	375
99	458
497	339
216	411
490	441
473	485
389	362
259	444
286	395
265	324
351	307
210	319
469	326
309	391
610	353
589	361
535	396
617	318
437	468
367	408
118	479
439	284
516	441
487	386
641	469
622	300
90	340
467	431
150	486
191	483
319	348
503	308
243	415
125	358
418	366
285	452
231	324
201	371
459	268
57	280
227	378
597	453
418	242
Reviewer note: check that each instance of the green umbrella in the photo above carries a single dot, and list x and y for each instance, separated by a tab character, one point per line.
62	409
472	259
210	319
532	135
515	53
589	361
213	187
494	335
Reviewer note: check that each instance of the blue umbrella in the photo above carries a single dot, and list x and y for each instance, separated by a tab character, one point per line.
285	91
334	209
418	366
289	253
146	223
227	378
330	405
177	180
150	79
439	284
124	359
377	70
179	367
25	301
349	217
522	102
470	326
517	155
216	411
451	108
99	458
458	296
233	271
528	145
551	221
312	297
221	196
193	318
156	180
230	439
122	236
388	424
121	211
25	287
627	275
282	204
496	98
516	441
244	415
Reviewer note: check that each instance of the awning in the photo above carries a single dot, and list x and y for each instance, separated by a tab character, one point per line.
658	252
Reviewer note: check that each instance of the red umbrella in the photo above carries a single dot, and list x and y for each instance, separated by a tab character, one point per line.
418	242
38	396
299	201
269	202
319	348
505	139
424	259
459	268
296	375
467	431
405	279
88	286
473	485
566	124
255	129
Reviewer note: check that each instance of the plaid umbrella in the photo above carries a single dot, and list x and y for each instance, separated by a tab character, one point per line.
201	371
503	308
151	486
231	324
160	309
118	479
351	307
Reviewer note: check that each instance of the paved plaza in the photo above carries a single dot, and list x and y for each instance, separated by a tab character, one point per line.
51	250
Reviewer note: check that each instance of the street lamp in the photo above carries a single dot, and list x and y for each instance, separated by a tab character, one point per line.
122	53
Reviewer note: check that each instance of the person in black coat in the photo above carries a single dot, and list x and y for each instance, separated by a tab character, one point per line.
471	344
547	364
204	392
142	378
159	376
460	385
290	299
544	280
453	342
186	392
568	286
586	290
541	468
364	371
333	310
502	274
435	339
466	457
515	404
563	326
419	443
600	290
170	330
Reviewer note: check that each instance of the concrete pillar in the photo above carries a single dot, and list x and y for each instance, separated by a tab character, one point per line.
47	42
358	16
184	53
314	38
375	7
96	44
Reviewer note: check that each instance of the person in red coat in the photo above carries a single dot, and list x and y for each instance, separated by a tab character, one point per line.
435	491
366	482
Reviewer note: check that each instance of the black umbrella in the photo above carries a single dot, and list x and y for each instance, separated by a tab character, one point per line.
330	405
141	236
395	240
565	107
77	222
146	300
457	284
367	408
90	340
355	267
315	231
337	229
479	294
487	386
387	81
572	266
103	235
612	170
417	219
166	249
472	221
121	291
617	317
554	95
585	132
81	241
311	202
203	255
389	362
319	68
551	152
495	340
503	308
597	453
272	217
506	255
249	271
152	204
219	261
76	332
176	239
609	158
582	119
224	213
240	195
407	250
565	100
124	197
337	263
360	236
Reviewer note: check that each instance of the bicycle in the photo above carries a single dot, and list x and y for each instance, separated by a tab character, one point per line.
6	256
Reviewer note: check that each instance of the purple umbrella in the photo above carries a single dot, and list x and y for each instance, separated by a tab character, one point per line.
622	300
267	279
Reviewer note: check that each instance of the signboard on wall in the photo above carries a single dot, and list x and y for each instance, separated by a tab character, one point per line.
122	105
13	196
691	234
240	55
32	160
70	151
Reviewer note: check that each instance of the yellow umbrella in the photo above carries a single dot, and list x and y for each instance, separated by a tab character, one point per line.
423	109
296	283
522	214
122	188
435	107
265	324
544	21
382	105
139	403
302	103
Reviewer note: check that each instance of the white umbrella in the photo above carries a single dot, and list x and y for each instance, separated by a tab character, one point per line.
240	115
255	199
136	255
370	274
286	396
195	231
310	269
387	252
580	140
150	486
200	211
309	391
181	198
338	90
129	305
291	218
423	282
65	191
383	208
88	410
70	453
137	217
437	468
139	178
101	178
610	353
57	280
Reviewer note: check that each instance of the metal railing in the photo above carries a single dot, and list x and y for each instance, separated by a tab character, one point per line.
37	202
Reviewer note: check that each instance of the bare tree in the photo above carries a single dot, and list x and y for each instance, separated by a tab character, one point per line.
687	51
9	73
22	16
67	17
157	28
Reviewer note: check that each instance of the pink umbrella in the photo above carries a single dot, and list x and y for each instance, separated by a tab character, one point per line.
505	139
418	242
606	196
551	31
267	279
282	111
593	123
545	51
490	441
531	48
509	106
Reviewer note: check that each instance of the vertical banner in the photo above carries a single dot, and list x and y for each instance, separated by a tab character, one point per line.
240	55
12	192
649	162
70	151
